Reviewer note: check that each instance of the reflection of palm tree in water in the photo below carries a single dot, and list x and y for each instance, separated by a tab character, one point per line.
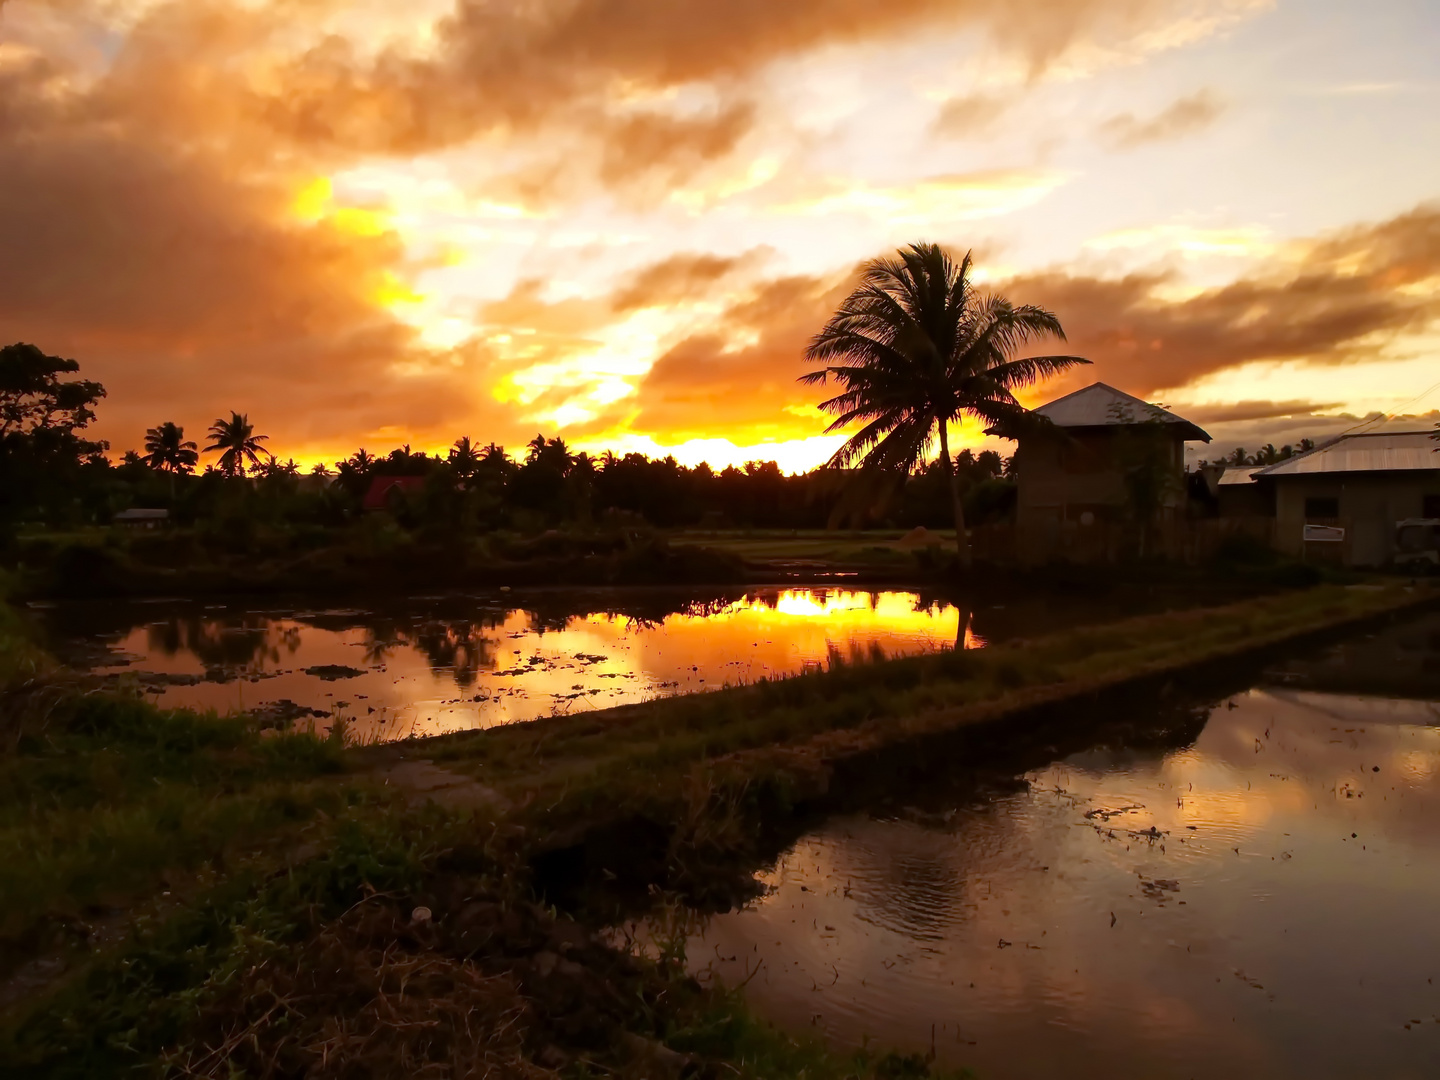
382	638
962	626
460	647
377	648
249	643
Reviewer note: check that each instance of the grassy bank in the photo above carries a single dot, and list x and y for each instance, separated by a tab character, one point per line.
191	895
681	759
411	944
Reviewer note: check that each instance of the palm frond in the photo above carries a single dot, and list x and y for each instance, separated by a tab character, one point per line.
1033	369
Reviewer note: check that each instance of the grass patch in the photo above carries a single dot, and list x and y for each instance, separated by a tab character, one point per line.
105	799
141	1003
326	971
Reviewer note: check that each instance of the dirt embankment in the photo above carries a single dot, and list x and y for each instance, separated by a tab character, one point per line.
660	792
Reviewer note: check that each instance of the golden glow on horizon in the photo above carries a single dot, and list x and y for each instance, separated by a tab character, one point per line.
792	455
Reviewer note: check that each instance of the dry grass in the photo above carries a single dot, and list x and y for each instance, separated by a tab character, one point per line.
364	997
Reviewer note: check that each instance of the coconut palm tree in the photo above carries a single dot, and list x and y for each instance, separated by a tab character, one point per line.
167	449
464	457
914	348
237	444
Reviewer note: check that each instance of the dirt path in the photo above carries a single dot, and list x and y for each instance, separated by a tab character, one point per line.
423	781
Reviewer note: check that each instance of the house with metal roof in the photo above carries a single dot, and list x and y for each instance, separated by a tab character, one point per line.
1109	451
1238	494
1343	500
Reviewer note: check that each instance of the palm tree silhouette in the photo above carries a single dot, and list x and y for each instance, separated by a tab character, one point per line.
167	449
361	461
236	442
915	347
464	457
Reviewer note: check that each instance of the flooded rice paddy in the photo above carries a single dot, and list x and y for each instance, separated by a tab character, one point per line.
1254	896
431	665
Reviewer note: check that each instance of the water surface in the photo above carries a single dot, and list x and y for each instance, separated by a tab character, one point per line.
1258	898
427	665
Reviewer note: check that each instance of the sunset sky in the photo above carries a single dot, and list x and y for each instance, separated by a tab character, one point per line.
366	222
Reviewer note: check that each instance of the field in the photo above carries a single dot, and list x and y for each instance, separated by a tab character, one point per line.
178	887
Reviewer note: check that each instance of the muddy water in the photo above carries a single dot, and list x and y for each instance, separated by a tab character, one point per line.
437	664
1258	900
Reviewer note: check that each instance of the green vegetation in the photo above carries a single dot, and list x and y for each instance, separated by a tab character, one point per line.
103	798
376	555
325	970
21	660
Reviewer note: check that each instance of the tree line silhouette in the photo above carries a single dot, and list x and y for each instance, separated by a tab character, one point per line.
53	475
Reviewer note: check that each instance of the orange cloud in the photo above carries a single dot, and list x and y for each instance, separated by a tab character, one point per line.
1335	303
190	286
1183	117
162	221
606	74
1330	305
739	376
973	114
683	276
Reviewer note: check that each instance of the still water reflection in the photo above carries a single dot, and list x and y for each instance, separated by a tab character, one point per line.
448	663
1260	902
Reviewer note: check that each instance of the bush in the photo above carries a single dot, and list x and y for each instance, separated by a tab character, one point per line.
1241	549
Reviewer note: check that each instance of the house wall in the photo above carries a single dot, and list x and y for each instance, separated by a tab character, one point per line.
1059	483
1246	500
1369	505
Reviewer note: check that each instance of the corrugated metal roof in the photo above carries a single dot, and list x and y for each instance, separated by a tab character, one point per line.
1238	474
1099	405
1400	451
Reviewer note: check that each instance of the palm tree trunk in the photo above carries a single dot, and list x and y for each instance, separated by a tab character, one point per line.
962	542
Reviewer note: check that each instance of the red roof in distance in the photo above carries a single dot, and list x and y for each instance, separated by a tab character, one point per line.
378	497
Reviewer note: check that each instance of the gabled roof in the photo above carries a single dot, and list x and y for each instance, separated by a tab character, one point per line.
1397	451
1101	405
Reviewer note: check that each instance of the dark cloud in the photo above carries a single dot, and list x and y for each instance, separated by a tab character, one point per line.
684	276
1348	292
1253	434
509	66
1254	410
1183	117
640	94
